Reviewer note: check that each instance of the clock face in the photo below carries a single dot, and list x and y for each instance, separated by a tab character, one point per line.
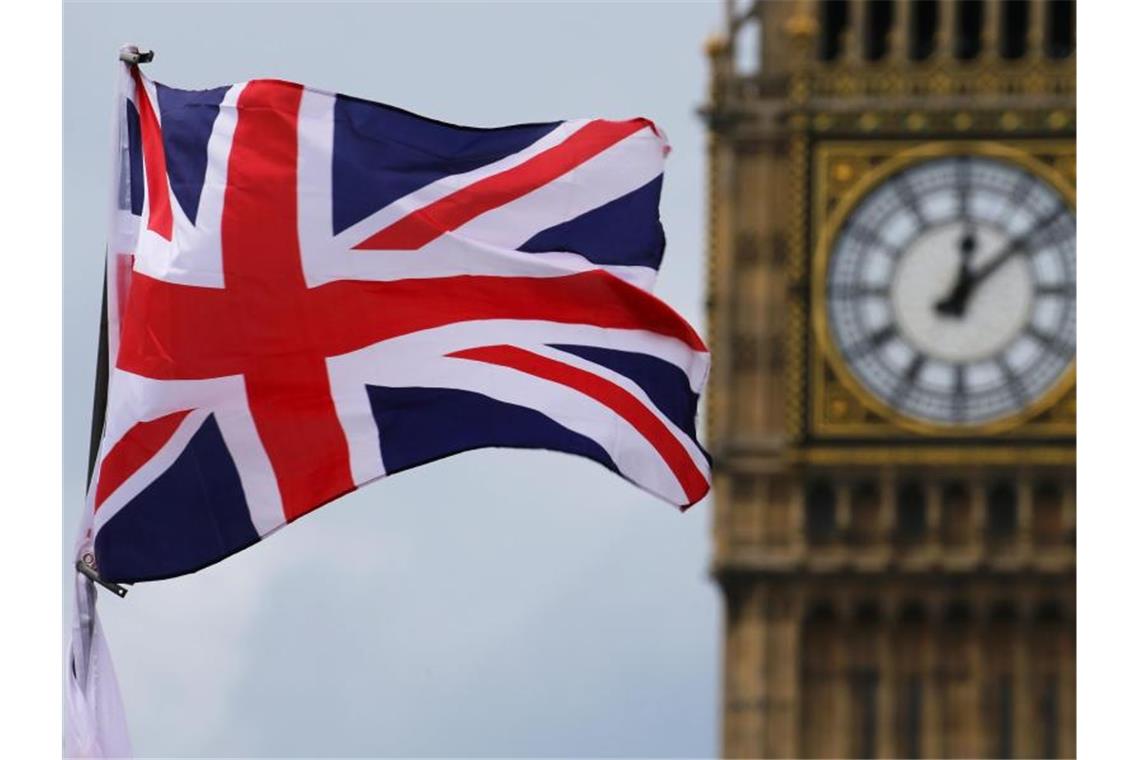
951	290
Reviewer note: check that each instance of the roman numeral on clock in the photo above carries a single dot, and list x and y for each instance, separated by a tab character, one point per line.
906	382
871	238
962	182
958	399
1051	342
1017	196
1012	381
875	340
1065	289
907	195
858	292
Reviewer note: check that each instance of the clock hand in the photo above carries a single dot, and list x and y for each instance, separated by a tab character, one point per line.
954	303
1011	249
1014	247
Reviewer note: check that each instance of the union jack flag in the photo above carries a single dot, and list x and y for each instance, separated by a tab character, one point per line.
310	291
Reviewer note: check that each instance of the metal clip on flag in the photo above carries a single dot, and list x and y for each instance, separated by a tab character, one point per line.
131	55
86	567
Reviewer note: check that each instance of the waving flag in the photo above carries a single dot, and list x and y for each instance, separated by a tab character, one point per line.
312	291
309	291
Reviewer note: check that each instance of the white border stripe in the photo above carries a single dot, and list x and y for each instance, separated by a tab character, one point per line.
419	359
634	390
194	254
445	186
625	166
258	481
634	456
151	470
139	399
326	258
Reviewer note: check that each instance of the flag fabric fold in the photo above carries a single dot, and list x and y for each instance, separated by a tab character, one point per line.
95	724
310	291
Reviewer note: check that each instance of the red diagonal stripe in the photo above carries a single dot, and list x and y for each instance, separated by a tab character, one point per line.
154	163
134	450
430	222
621	401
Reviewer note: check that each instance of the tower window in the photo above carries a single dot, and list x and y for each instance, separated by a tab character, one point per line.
864	513
819	671
1004	706
968	34
1051	647
911	722
746	48
821	524
1001	511
924	19
1049	714
1014	26
910	512
1048	520
909	652
955	514
880	16
777	513
1061	28
864	679
1000	651
865	693
833	20
957	616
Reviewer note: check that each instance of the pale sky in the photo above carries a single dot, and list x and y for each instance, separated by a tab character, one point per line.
495	603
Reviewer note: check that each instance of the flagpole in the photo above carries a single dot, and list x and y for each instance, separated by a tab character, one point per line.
131	56
94	721
98	419
99	402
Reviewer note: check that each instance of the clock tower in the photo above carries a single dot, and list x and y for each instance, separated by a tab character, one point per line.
892	409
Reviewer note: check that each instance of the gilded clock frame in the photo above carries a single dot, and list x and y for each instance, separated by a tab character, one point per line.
830	377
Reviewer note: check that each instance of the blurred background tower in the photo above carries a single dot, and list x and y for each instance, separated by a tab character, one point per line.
892	408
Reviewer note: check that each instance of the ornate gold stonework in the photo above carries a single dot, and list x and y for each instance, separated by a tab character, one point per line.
892	587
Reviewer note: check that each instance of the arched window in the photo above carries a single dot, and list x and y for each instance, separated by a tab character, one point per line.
968	33
746	48
880	17
924	18
1061	28
833	20
1014	26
